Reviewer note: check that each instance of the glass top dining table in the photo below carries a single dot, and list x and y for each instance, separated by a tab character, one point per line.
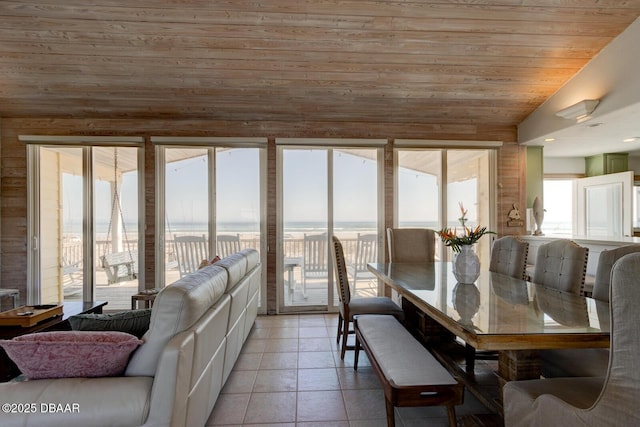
499	312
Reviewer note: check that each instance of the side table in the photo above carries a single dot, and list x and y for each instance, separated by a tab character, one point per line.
13	293
147	299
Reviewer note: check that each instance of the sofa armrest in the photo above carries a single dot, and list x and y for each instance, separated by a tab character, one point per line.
77	402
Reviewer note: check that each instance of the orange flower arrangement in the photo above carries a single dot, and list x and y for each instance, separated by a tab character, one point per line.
455	241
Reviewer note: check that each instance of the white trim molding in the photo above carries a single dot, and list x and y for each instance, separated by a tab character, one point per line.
444	143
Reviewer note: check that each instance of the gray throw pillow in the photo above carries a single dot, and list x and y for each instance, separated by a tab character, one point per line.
134	322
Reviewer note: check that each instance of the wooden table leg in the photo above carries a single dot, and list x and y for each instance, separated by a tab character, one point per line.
515	365
428	330
470	359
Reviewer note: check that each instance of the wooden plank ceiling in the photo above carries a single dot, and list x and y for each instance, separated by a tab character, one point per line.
475	62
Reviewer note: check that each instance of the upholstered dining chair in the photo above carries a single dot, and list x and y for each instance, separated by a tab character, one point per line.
591	401
350	307
587	362
411	244
561	264
509	256
606	260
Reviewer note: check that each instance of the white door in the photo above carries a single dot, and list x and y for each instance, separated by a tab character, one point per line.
603	205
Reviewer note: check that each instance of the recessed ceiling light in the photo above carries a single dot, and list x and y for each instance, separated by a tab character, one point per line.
549	139
635	138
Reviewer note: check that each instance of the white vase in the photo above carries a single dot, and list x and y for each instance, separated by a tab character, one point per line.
466	265
466	301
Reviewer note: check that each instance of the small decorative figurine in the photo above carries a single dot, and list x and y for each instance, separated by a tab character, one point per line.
538	215
515	220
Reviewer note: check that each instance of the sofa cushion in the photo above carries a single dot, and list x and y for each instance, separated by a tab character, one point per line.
63	354
176	308
236	266
134	322
252	256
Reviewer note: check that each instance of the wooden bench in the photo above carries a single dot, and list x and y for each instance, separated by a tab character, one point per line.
409	373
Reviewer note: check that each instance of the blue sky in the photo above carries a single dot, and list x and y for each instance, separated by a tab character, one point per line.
305	189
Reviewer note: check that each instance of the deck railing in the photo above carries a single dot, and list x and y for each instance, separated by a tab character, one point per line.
72	251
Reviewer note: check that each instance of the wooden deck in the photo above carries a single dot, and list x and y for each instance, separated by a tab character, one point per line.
117	294
315	291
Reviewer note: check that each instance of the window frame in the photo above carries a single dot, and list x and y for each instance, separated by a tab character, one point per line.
161	143
328	144
444	147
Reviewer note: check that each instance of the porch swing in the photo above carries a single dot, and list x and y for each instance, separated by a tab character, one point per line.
119	266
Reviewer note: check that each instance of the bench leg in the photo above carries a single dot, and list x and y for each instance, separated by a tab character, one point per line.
356	354
391	416
451	411
339	328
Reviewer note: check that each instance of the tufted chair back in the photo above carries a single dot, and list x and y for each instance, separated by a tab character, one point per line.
509	256
344	292
603	271
561	264
591	401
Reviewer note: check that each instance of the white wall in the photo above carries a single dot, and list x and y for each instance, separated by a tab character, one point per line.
576	165
568	165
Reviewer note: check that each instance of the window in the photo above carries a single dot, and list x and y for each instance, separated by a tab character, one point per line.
558	205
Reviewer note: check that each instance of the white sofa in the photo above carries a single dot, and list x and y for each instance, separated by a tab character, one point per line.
198	326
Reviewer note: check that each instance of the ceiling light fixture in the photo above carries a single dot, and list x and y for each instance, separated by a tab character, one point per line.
635	138
549	139
580	110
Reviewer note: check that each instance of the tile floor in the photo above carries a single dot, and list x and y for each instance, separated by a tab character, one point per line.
290	374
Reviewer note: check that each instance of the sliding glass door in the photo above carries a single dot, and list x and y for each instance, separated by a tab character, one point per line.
84	223
61	264
305	227
468	185
327	192
188	186
356	215
418	188
423	201
213	198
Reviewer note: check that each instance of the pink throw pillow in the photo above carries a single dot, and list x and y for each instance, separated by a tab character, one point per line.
71	353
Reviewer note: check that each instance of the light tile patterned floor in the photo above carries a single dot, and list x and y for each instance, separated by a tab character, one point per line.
290	374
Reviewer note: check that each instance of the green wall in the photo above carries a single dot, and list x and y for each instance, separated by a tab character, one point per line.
535	174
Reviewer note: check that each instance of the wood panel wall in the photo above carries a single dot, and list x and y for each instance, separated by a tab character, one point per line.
13	174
